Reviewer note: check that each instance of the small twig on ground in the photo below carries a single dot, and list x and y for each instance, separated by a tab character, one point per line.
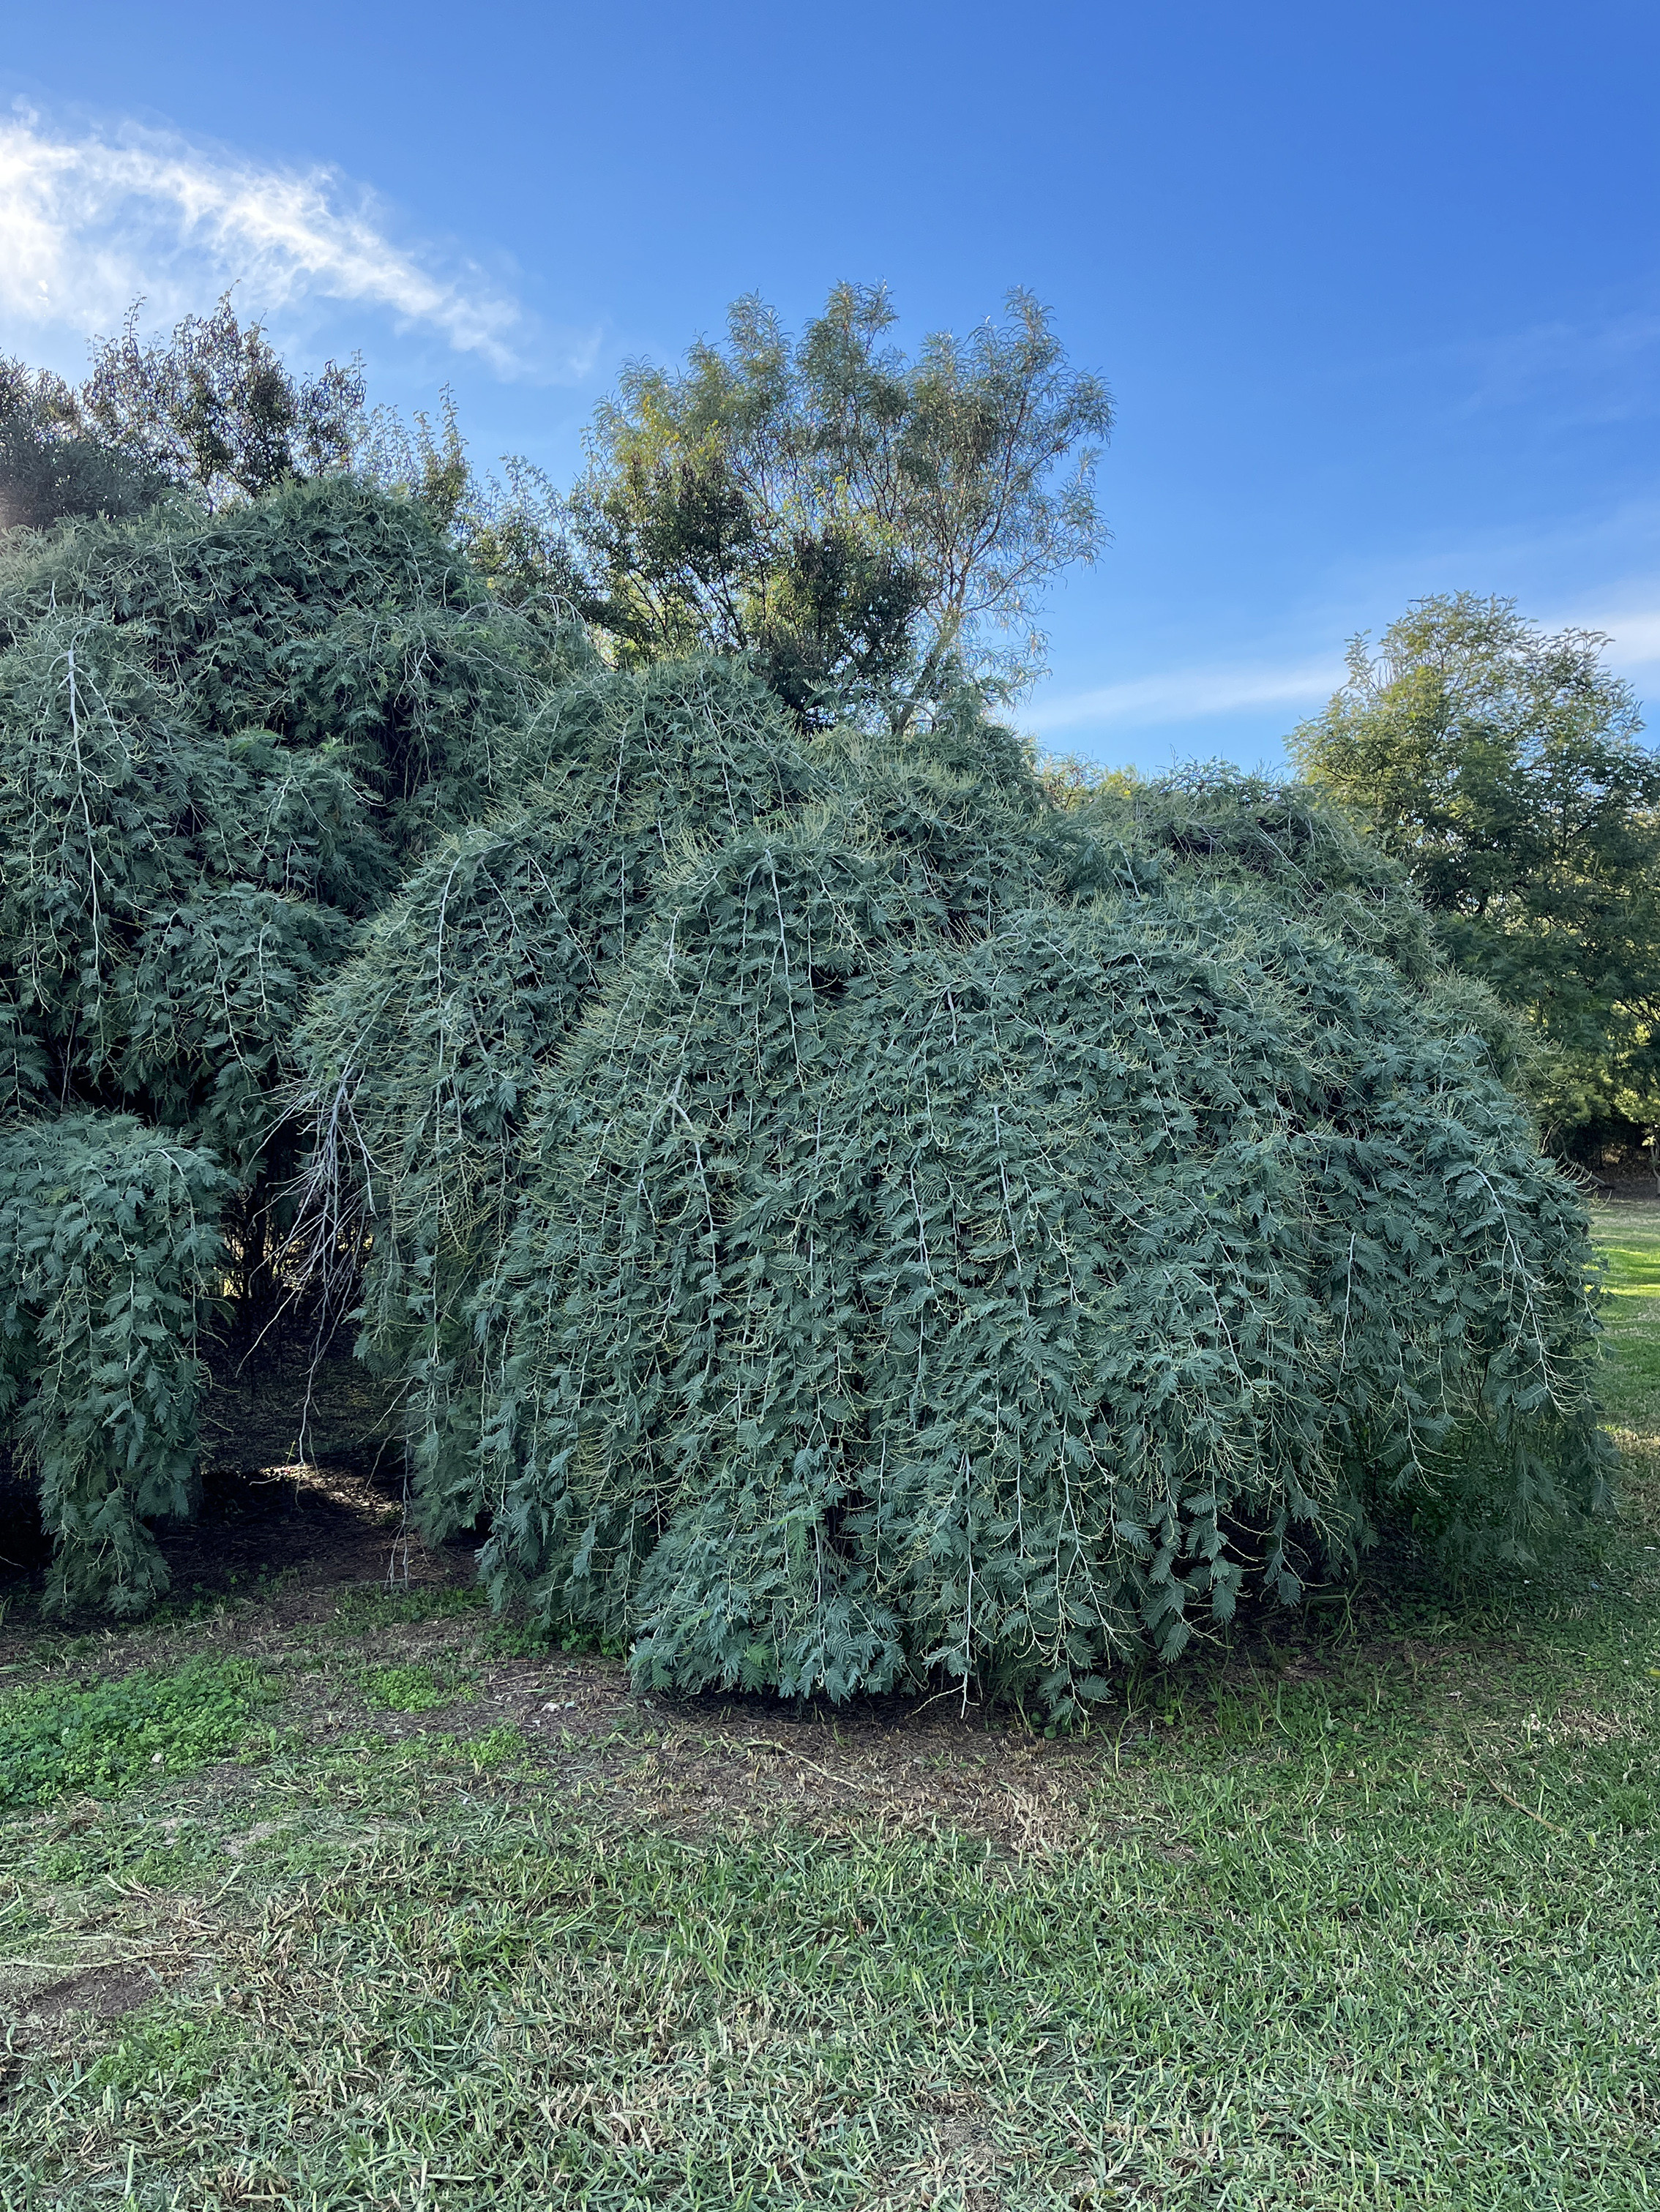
951	1691
766	1743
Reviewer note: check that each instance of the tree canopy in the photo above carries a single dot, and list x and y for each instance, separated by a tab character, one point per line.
51	465
214	409
1504	767
869	532
869	527
212	412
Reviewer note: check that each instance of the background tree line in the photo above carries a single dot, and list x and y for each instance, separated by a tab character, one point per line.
874	533
1504	767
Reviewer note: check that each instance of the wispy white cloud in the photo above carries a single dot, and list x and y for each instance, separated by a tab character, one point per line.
1630	620
87	223
1189	695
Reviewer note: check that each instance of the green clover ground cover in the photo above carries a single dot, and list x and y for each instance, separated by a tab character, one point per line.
103	1737
1359	1920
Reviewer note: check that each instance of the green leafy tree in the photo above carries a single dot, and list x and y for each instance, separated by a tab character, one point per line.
215	410
51	468
1504	766
869	528
513	530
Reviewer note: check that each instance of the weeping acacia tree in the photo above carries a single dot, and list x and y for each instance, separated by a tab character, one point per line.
834	1217
841	1220
223	738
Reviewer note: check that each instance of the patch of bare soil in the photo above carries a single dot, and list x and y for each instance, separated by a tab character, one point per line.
100	1992
302	1487
1014	1791
102	1956
280	1404
307	1528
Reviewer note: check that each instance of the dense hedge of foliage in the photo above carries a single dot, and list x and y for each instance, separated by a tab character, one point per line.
842	1220
109	1245
837	1217
423	1058
222	740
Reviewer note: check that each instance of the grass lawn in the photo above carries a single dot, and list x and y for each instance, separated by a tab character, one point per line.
327	1896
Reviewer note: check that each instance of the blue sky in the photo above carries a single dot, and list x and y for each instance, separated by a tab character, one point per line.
1376	287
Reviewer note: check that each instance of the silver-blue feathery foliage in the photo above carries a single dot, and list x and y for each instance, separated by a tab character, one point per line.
223	739
845	1222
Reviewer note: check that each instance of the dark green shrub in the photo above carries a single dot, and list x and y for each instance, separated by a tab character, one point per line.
109	1250
167	897
327	614
223	738
425	1053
